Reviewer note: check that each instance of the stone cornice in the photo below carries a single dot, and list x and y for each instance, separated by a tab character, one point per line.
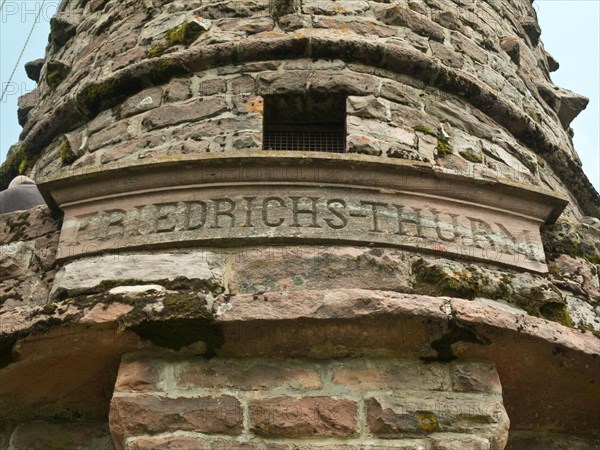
260	197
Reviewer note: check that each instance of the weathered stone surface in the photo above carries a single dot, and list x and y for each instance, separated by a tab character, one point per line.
574	239
553	64
274	269
481	377
62	28
77	436
577	275
179	90
446	55
512	47
190	112
223	444
532	29
177	443
583	315
303	417
91	273
469	47
571	104
397	417
152	415
34	68
26	103
456	443
398	375
275	409
448	19
139	375
247	375
330	8
144	101
431	85
397	15
550	441
28	248
111	135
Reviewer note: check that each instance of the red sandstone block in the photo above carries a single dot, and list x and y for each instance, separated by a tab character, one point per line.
247	375
395	417
139	375
135	416
476	377
459	443
412	444
234	445
361	375
303	417
199	443
329	447
170	115
173	443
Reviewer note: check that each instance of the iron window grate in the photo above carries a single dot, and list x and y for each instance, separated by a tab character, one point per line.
305	122
305	138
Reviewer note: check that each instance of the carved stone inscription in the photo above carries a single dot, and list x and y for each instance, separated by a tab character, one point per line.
303	215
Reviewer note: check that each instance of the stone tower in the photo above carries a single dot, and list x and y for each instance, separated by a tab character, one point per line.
330	224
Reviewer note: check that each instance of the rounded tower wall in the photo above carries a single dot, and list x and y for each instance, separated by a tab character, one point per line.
461	87
325	224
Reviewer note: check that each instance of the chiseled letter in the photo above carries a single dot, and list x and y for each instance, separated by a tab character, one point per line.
374	206
409	221
296	211
249	201
227	212
338	212
265	211
165	217
197	212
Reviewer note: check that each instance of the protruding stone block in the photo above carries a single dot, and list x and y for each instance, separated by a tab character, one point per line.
34	68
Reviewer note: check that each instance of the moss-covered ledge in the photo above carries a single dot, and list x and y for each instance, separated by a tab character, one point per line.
93	97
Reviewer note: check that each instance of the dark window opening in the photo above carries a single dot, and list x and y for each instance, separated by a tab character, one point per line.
308	122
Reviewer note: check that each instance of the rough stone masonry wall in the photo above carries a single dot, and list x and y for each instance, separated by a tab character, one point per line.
284	404
487	54
437	81
220	111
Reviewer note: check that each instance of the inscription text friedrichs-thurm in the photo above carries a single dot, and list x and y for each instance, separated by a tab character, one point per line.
220	216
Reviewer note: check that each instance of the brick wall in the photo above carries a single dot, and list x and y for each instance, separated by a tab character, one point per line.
303	404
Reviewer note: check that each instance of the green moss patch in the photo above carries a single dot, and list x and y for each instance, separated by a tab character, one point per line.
67	155
541	302
435	280
575	240
56	72
443	148
108	93
471	155
425	130
184	34
17	163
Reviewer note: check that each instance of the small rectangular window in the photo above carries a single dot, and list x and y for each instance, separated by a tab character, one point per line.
310	122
